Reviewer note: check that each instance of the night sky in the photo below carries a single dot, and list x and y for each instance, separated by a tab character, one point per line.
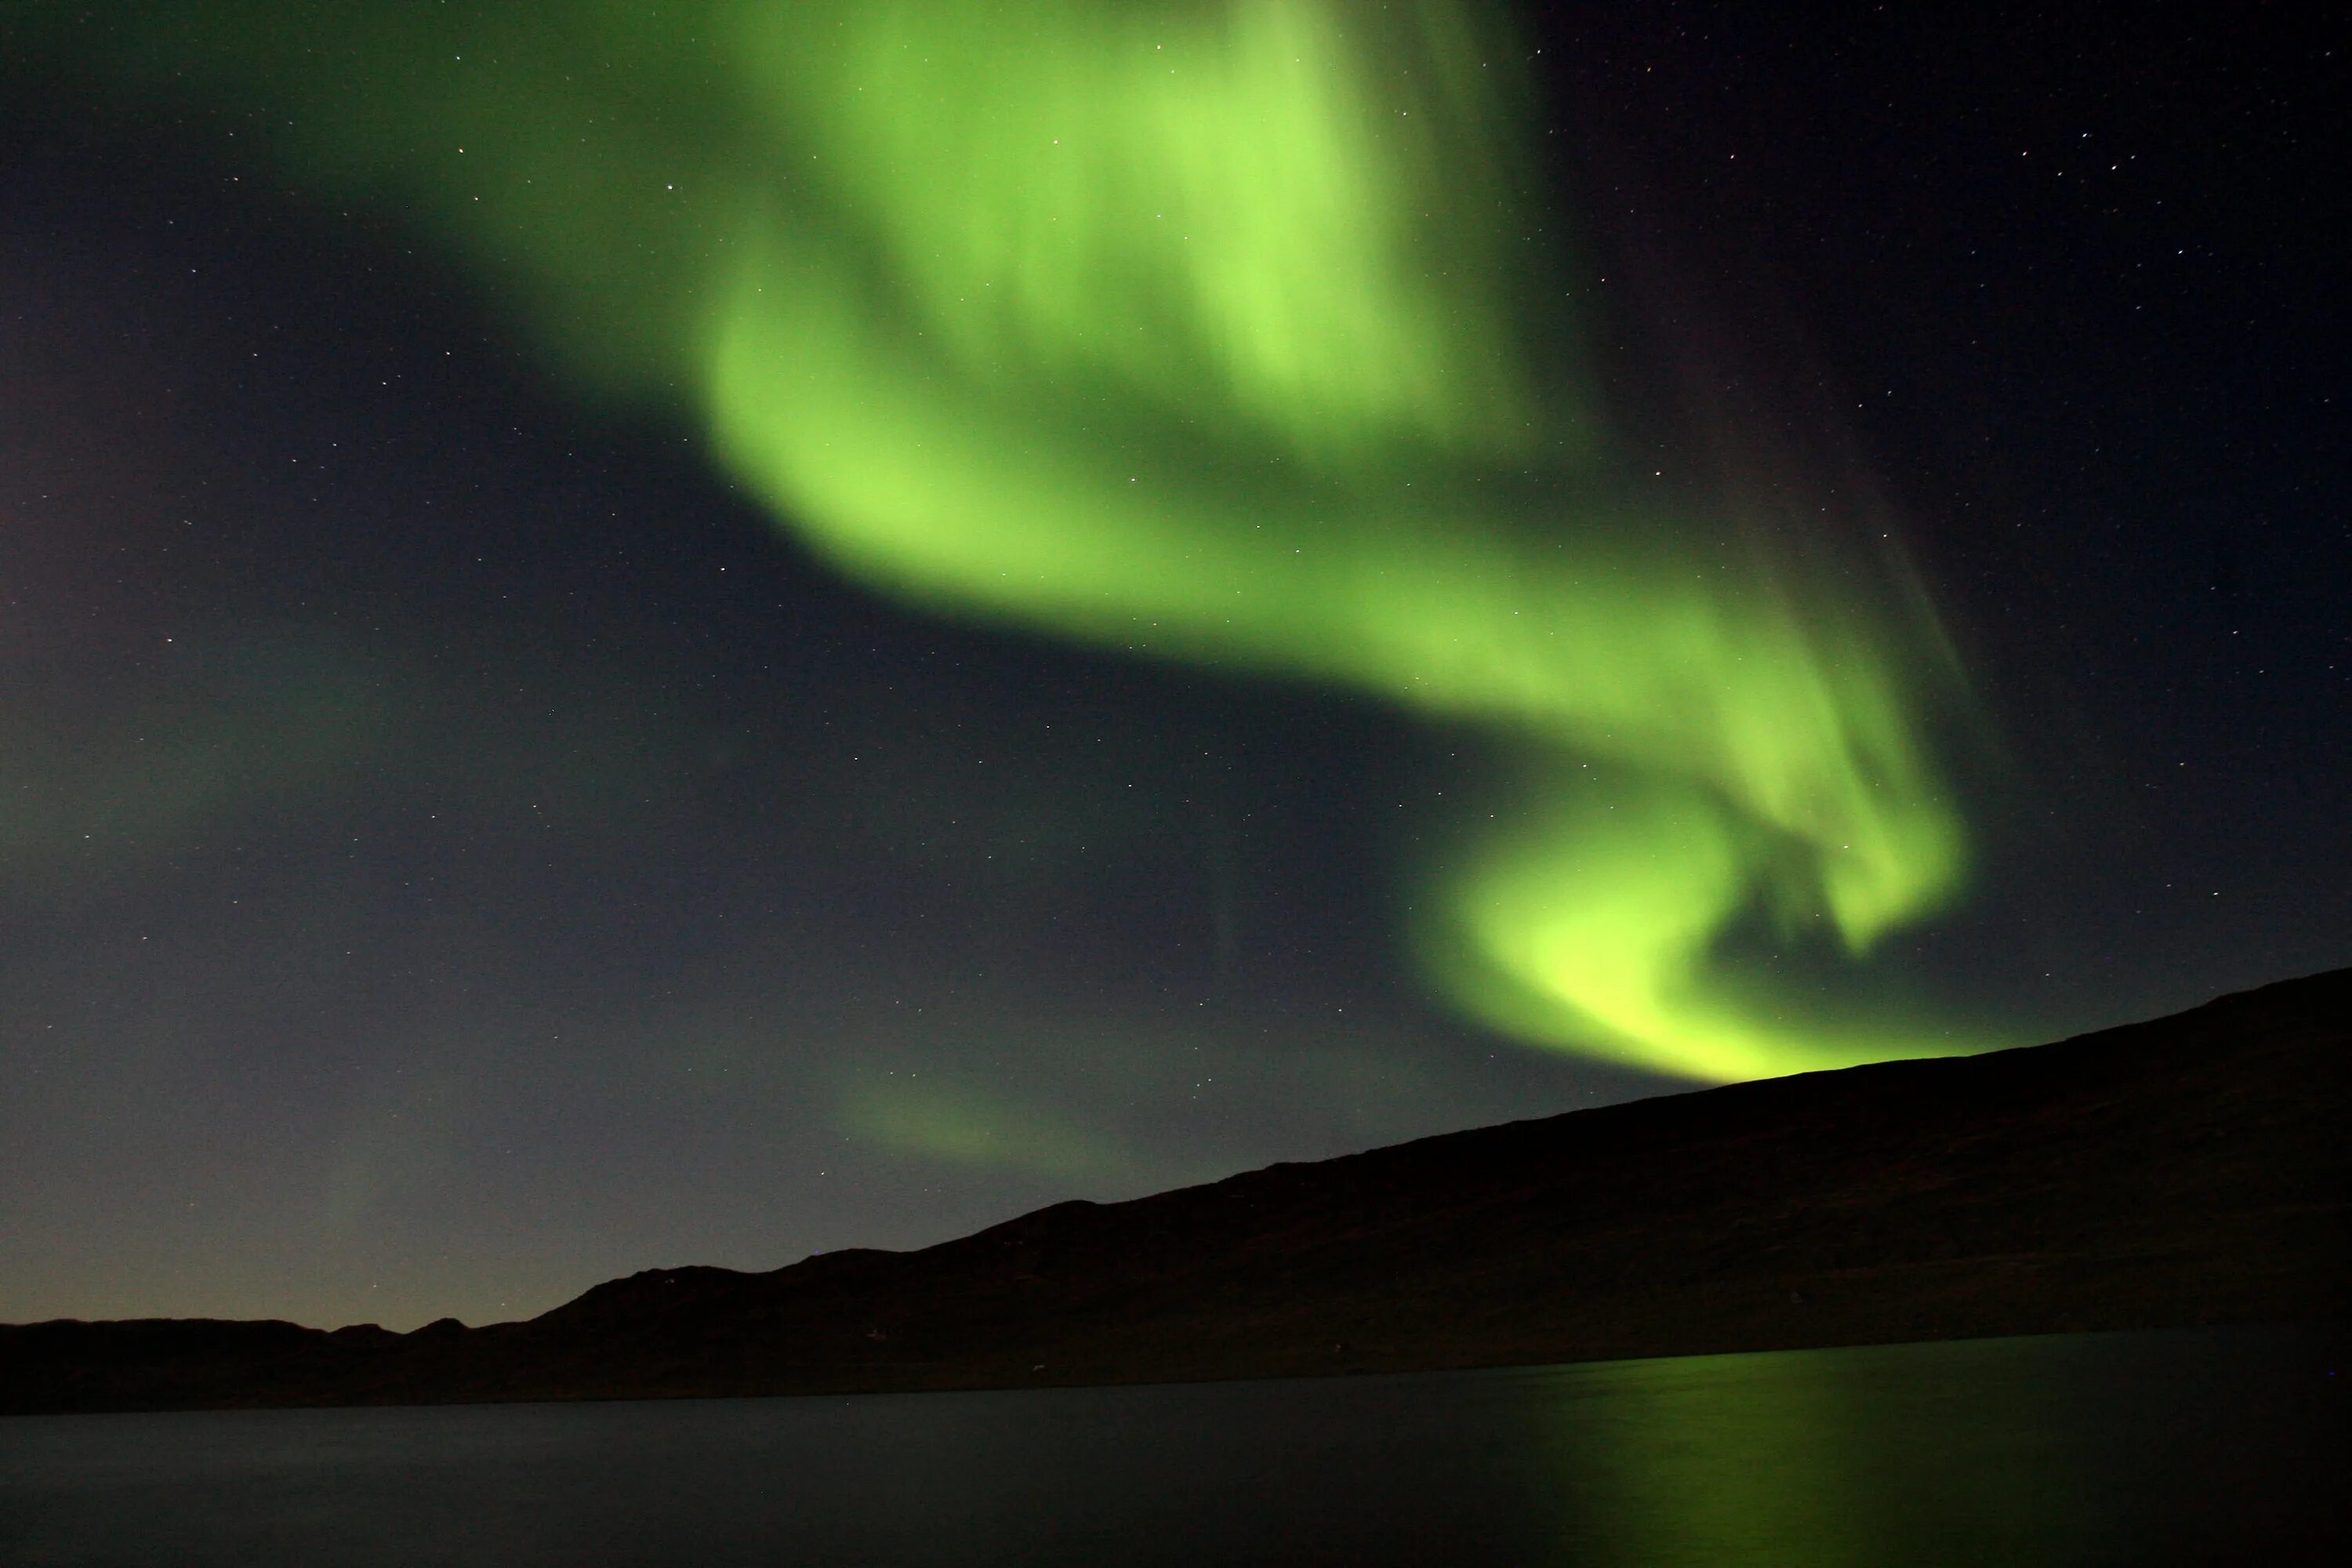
466	835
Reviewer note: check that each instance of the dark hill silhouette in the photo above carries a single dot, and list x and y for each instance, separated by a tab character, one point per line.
2191	1170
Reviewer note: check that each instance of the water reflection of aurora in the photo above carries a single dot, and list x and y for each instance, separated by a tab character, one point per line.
2062	1448
1205	331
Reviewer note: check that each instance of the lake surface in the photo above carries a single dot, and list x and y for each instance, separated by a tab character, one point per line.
2154	1449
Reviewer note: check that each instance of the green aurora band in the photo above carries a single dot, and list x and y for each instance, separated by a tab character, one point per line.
1210	330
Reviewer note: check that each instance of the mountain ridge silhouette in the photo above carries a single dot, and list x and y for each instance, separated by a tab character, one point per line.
2187	1170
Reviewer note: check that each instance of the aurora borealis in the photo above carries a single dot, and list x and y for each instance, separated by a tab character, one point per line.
1179	331
1179	373
1227	372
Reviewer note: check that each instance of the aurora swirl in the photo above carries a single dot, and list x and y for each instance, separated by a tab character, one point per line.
1211	332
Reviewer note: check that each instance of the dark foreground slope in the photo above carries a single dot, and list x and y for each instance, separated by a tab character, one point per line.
2187	1171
